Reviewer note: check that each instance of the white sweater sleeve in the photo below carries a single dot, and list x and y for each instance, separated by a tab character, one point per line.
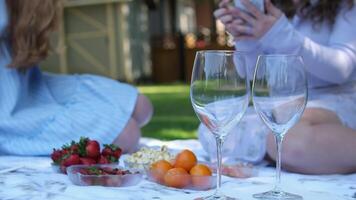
334	62
252	49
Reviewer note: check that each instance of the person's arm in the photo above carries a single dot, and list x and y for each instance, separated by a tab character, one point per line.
334	62
252	50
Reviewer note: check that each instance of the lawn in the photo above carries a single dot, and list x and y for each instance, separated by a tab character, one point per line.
173	117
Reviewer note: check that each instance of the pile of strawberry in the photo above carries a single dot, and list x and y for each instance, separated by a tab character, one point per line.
85	152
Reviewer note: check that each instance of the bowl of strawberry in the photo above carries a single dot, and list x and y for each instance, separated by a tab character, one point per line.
102	175
84	152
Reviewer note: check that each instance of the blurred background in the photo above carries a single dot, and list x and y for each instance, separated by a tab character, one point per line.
148	43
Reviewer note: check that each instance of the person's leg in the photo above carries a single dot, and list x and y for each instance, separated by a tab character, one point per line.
130	136
318	144
143	110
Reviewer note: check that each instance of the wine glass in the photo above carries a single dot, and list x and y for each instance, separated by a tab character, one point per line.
219	94
279	93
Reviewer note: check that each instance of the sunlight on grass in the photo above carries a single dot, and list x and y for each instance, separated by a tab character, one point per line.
164	89
173	117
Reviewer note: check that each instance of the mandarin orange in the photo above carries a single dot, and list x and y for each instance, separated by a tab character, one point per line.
177	177
201	177
159	169
186	160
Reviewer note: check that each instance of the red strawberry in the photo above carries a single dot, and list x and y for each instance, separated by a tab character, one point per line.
103	160
87	161
71	160
117	153
56	156
84	171
111	150
92	149
74	148
107	151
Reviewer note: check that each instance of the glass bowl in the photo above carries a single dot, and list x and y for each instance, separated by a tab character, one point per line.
76	174
182	181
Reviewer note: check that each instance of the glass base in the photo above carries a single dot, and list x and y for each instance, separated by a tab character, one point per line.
277	195
216	197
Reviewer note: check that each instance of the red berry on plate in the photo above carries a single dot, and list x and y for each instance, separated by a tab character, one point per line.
56	156
92	149
117	153
87	161
73	159
107	151
74	148
103	160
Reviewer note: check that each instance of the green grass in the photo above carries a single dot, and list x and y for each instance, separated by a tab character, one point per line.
173	117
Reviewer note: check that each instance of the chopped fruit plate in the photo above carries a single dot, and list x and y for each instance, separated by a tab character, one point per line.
102	175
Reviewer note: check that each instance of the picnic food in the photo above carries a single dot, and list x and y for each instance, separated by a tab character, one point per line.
103	175
186	160
184	173
95	170
159	169
199	173
177	177
86	152
143	158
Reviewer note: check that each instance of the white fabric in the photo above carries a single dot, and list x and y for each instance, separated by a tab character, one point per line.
246	141
37	181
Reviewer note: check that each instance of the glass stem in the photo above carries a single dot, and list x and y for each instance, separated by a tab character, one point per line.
279	141
219	143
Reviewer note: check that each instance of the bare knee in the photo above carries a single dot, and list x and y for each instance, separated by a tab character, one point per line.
129	137
294	148
143	110
320	116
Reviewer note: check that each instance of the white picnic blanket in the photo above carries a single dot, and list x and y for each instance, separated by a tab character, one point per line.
36	180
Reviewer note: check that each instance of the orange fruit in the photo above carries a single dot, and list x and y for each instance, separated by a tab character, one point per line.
159	169
201	177
186	160
177	177
200	170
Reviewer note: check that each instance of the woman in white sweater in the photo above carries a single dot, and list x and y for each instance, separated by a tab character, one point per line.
323	32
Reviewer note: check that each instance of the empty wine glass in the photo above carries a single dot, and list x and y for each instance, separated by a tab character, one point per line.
219	95
279	93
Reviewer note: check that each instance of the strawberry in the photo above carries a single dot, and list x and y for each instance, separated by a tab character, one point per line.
103	160
92	149
87	161
56	156
74	148
72	159
111	150
107	151
117	153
